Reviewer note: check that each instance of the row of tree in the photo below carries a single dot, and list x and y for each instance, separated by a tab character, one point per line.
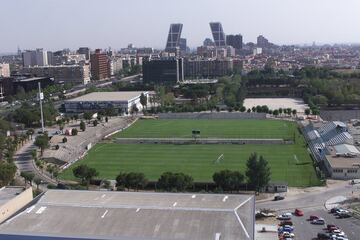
257	176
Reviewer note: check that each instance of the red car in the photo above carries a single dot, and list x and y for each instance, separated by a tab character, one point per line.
286	222
312	217
330	226
299	212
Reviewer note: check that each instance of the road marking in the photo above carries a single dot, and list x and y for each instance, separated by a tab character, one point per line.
225	198
193	196
137	210
41	210
30	209
103	195
157	228
175	203
104	213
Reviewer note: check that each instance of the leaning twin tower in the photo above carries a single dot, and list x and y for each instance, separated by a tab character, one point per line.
173	40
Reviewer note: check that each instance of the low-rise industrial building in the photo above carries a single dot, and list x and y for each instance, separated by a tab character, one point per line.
121	102
12	199
135	215
334	148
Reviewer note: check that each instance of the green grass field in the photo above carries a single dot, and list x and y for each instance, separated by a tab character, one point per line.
245	128
289	163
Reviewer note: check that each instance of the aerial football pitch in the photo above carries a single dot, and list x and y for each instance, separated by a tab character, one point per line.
289	162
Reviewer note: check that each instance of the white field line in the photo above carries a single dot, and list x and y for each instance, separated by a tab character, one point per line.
225	198
296	159
104	213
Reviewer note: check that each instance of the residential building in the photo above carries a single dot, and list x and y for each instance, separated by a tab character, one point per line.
99	65
165	70
4	70
236	41
76	74
36	57
262	42
85	51
115	65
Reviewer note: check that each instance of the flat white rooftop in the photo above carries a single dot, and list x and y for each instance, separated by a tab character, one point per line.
107	97
136	215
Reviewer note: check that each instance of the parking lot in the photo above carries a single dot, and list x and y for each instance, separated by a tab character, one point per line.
304	230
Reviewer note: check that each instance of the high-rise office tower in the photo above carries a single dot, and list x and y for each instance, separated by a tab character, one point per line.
99	65
218	34
173	40
182	45
235	41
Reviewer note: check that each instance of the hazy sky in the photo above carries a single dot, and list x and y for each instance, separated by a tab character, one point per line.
57	24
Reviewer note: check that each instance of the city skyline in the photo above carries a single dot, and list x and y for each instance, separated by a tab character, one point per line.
70	24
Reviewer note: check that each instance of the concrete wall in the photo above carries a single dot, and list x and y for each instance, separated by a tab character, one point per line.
198	141
344	175
212	115
15	204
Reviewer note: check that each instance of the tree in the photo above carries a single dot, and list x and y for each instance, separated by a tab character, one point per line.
82	126
280	111
95	123
106	119
276	112
42	142
37	181
294	112
175	181
228	180
64	140
131	180
307	111
34	154
258	172
143	100
7	173
30	132
88	116
85	173
134	109
74	132
28	176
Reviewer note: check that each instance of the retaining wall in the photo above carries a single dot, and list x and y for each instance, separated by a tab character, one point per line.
198	141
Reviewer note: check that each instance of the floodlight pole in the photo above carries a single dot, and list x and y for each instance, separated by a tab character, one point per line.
41	96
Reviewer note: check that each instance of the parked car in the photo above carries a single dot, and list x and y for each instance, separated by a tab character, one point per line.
330	226
285	229
283	217
323	236
333	210
278	198
287	235
319	221
340	210
344	215
313	217
299	212
286	222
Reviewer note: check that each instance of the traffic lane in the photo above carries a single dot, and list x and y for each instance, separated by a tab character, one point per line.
305	230
306	200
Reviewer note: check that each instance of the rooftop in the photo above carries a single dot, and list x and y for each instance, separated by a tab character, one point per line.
134	215
352	160
106	97
8	193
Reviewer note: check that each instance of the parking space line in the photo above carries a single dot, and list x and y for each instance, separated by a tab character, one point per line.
104	213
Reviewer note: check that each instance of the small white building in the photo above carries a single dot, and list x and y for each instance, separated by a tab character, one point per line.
121	101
